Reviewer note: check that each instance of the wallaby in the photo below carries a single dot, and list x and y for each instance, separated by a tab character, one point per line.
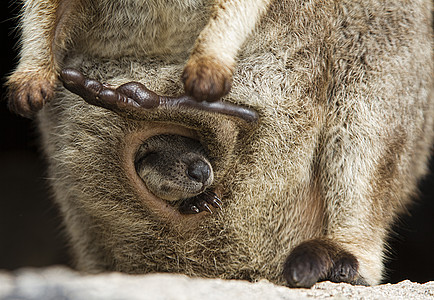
323	132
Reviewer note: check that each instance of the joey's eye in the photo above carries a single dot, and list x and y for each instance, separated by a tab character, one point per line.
150	155
146	156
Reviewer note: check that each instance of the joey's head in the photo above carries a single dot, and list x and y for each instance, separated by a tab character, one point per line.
174	167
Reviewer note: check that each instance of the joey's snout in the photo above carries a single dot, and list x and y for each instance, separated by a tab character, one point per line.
174	167
199	171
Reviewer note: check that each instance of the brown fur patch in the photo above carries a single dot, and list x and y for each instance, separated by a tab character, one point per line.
386	183
315	214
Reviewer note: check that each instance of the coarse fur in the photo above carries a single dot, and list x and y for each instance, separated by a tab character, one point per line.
344	94
113	29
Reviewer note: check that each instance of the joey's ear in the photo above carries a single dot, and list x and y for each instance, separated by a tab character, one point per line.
220	125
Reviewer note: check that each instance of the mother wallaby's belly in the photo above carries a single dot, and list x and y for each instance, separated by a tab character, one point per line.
142	28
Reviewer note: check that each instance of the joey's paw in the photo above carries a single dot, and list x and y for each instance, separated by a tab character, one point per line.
318	260
202	202
28	92
207	79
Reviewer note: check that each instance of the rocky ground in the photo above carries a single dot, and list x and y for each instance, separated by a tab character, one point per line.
60	283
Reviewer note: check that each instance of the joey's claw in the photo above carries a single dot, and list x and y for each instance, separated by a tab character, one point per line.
214	200
192	208
206	207
136	101
78	84
200	203
217	203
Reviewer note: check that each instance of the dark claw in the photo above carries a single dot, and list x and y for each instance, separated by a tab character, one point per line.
134	99
214	200
217	203
206	207
200	203
195	209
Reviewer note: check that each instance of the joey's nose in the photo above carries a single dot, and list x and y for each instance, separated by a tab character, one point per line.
199	171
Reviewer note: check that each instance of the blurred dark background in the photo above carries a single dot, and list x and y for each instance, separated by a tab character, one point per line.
30	225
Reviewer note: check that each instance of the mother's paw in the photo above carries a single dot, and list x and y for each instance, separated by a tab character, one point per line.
318	260
206	78
29	91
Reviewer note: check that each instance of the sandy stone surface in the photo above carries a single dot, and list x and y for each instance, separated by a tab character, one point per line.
59	283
